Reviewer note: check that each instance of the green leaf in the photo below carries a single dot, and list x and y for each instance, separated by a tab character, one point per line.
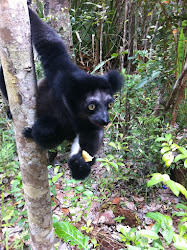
164	150
182	189
155	74
144	241
181	50
115	165
88	193
112	144
183	150
149	234
120	164
133	248
179	157
168	158
71	234
185	163
158	244
173	186
115	55
181	213
154	180
94	241
181	206
184	219
168	136
179	242
100	65
156	227
143	82
169	220
158	217
79	188
165	177
159	139
182	229
168	235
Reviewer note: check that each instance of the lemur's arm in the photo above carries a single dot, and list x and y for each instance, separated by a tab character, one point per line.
49	46
90	142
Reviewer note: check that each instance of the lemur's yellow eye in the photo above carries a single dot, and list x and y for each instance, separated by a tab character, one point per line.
110	105
91	107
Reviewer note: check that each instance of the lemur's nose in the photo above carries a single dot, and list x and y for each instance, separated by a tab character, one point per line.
105	119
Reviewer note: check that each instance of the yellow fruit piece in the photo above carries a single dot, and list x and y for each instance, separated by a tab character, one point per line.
86	156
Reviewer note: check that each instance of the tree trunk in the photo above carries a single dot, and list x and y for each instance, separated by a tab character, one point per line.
122	57
17	62
131	36
179	88
59	9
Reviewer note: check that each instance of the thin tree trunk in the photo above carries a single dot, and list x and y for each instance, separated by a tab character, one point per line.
147	32
17	62
96	60
124	34
153	36
131	35
101	44
59	9
159	102
130	54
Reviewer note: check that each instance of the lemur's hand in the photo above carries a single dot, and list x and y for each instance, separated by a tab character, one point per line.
79	168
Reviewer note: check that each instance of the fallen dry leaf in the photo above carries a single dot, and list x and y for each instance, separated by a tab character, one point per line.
116	201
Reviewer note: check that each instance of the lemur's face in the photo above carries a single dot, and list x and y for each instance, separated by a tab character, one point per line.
96	106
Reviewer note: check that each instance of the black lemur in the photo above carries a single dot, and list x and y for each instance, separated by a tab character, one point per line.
71	104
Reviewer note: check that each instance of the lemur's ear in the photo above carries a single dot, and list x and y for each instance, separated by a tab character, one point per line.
29	2
115	79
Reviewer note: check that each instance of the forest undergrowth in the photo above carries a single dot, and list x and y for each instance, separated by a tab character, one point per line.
135	197
114	208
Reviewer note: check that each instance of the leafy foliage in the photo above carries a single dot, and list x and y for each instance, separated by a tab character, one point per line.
168	149
174	186
158	58
71	234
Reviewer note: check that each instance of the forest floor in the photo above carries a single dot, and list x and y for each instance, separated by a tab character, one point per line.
108	207
110	210
99	207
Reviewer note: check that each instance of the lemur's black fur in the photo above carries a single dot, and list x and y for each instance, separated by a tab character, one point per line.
71	104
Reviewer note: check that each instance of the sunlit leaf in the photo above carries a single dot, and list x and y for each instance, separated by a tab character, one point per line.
173	186
185	163
71	234
183	150
154	216
181	206
154	180
160	139
149	234
164	149
182	189
179	157
168	235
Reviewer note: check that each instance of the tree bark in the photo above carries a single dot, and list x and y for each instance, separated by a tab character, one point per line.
122	57
180	83
59	9
131	35
17	61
